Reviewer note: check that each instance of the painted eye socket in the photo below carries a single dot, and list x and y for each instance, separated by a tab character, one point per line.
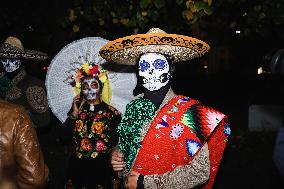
159	64
85	86
143	65
94	85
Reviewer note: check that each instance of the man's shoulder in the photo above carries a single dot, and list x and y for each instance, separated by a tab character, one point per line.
10	109
5	105
196	104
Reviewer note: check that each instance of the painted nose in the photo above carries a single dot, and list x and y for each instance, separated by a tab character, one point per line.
151	71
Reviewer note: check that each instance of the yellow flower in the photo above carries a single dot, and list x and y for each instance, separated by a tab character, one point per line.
94	154
79	155
86	68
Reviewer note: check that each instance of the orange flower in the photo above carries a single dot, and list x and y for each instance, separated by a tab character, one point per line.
97	127
78	125
86	144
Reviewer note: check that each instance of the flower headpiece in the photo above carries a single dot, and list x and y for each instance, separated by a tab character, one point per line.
90	69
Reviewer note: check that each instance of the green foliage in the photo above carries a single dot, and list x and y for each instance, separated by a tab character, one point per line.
261	17
134	16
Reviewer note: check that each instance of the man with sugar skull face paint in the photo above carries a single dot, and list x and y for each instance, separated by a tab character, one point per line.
18	86
154	71
166	140
91	129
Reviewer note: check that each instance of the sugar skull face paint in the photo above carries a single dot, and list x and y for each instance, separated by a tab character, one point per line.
11	65
90	88
154	70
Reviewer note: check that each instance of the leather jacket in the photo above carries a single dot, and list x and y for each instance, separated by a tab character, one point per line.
21	159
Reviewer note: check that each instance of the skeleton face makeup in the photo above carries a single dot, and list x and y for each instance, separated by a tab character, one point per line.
90	88
11	65
154	69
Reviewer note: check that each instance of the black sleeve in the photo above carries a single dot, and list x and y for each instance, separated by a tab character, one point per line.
113	125
66	131
140	184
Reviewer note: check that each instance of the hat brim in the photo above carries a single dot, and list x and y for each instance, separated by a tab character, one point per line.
8	51
128	49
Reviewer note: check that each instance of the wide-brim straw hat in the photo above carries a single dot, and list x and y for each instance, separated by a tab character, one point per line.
178	48
13	48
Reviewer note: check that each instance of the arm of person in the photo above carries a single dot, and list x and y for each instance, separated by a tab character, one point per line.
32	171
39	112
188	176
113	124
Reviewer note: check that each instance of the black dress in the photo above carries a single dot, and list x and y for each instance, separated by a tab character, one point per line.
93	135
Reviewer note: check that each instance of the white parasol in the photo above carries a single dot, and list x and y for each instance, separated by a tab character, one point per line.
60	94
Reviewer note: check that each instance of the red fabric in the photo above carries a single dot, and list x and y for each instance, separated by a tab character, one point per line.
216	145
161	152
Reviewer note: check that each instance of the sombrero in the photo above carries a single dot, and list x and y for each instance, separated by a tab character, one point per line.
128	49
13	48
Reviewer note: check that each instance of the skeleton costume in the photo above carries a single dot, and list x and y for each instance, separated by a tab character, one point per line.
92	131
172	141
18	86
77	71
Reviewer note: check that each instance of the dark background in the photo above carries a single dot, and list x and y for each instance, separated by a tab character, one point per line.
230	83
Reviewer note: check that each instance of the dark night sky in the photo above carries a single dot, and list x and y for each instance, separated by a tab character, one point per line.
37	24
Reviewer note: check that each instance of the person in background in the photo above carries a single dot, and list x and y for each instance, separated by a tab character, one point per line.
18	86
22	163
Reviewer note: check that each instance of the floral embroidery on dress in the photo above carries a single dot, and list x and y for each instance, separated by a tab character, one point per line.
92	132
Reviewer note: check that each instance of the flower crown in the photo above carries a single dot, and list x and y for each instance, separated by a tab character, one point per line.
87	70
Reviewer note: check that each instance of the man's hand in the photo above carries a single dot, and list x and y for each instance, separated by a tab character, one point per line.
131	180
117	160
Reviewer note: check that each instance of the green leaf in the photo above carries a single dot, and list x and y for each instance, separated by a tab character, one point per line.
144	3
159	3
179	2
199	5
208	10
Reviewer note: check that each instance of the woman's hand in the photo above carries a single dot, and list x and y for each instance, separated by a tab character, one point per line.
76	105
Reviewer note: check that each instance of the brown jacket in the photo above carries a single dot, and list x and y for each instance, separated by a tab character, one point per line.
21	159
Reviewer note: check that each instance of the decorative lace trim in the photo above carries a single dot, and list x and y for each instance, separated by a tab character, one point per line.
183	177
13	94
37	98
19	77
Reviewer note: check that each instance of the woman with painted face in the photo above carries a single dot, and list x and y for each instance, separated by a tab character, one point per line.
165	140
91	129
